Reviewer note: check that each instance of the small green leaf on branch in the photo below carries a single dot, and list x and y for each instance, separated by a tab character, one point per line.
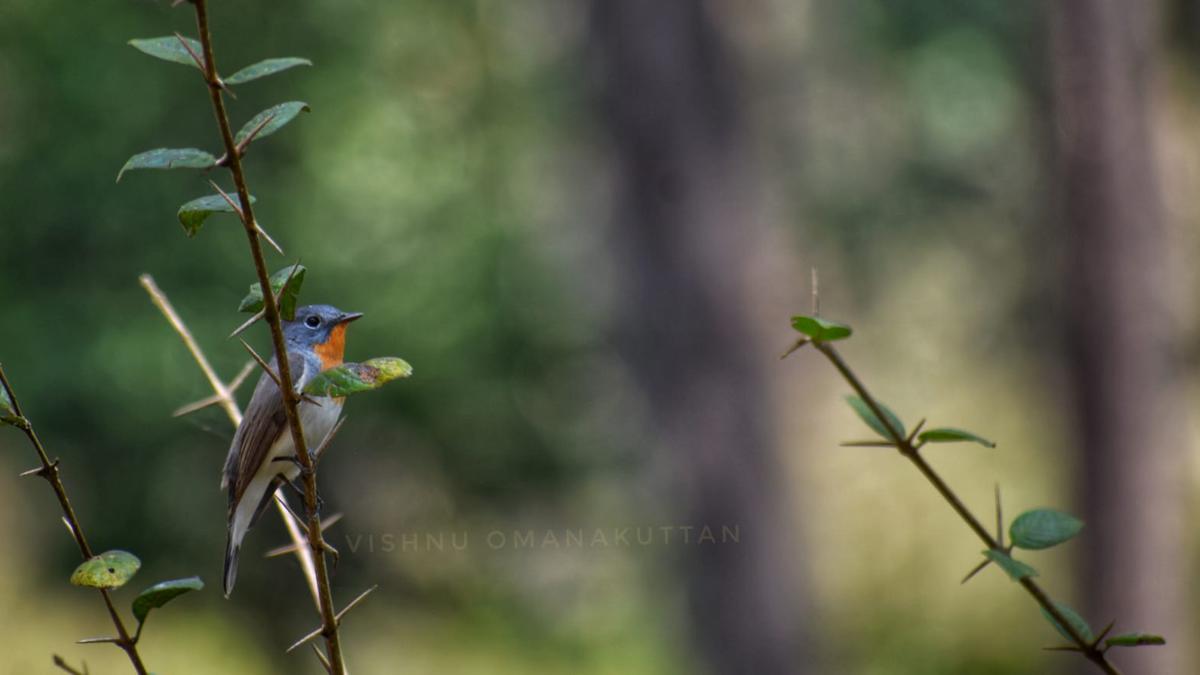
1043	528
952	435
293	276
864	411
278	115
821	330
1135	640
193	214
169	158
6	407
352	378
161	593
265	68
1015	569
169	48
110	569
1073	618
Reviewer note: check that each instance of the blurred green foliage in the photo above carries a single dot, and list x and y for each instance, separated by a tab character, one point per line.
451	184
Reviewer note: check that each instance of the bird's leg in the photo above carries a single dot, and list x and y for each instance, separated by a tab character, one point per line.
292	483
331	551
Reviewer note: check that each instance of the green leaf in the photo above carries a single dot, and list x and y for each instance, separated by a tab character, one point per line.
952	435
280	115
253	302
193	214
1135	640
864	411
820	329
7	414
1073	618
265	68
110	569
1016	569
169	48
352	378
169	158
161	593
1043	528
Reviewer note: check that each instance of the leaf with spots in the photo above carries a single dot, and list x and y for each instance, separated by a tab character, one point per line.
265	68
169	158
352	378
169	48
110	569
271	120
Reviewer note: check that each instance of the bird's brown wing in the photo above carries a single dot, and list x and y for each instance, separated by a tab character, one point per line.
260	428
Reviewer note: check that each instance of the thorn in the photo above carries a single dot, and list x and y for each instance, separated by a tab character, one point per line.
96	641
354	603
1063	648
300	521
267	237
322	658
978	568
70	528
327	440
36	471
195	57
262	364
304	639
816	294
249	322
867	444
229	200
795	346
291	548
916	430
1103	634
197	405
241	377
241	147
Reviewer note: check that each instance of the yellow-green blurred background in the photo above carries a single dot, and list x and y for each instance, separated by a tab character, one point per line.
586	225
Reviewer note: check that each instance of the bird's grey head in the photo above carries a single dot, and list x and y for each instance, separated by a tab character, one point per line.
316	324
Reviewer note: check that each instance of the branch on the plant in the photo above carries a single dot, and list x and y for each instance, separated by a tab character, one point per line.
905	445
49	471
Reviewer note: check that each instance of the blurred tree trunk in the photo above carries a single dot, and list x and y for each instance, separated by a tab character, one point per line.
1117	352
685	236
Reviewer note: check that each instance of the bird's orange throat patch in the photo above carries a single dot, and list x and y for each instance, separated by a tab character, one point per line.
333	350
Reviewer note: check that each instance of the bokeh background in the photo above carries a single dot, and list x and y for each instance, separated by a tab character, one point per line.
586	225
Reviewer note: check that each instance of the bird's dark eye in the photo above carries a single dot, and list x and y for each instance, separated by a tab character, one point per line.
312	321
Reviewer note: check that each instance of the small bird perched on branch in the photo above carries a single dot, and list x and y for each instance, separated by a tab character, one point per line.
262	456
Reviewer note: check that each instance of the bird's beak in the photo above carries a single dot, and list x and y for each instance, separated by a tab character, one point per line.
349	316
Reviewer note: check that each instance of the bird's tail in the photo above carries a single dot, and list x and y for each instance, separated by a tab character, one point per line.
231	562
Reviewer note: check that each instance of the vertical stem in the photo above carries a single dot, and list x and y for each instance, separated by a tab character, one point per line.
271	310
49	471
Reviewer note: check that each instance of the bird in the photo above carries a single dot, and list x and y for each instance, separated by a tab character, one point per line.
262	456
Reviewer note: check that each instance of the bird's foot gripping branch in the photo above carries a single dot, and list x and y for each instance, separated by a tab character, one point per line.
1032	530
